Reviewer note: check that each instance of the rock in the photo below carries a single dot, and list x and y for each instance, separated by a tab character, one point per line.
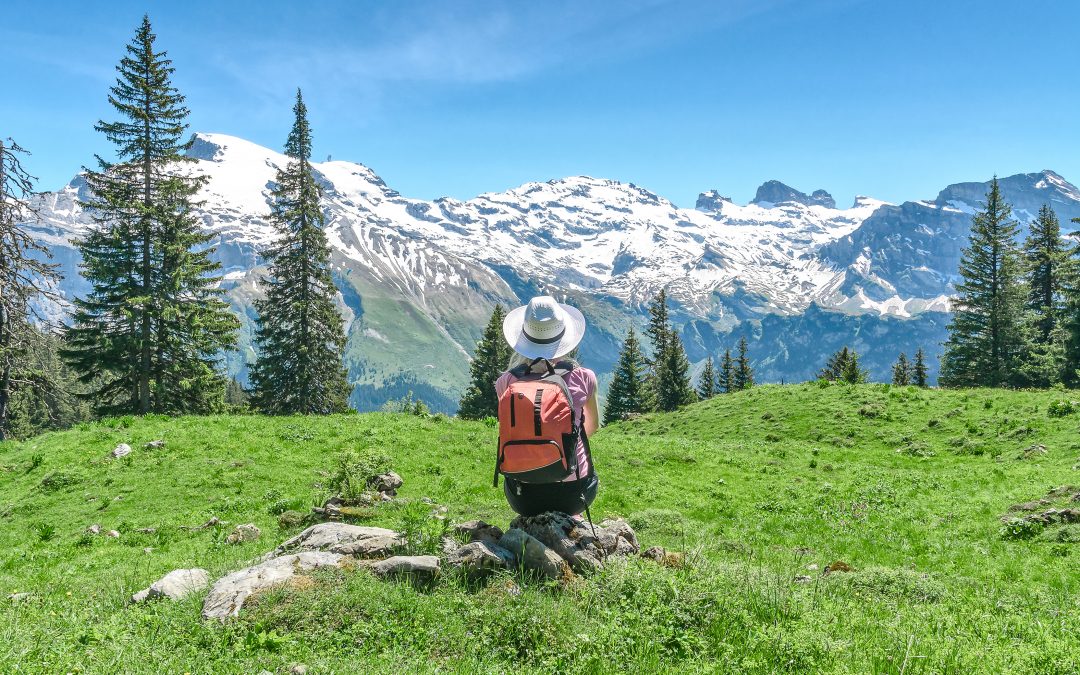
532	554
298	669
386	483
421	567
20	597
148	550
838	566
802	579
113	533
386	497
154	445
175	585
1032	451
146	530
122	450
449	545
242	533
227	596
663	557
812	567
94	529
345	539
481	558
290	519
205	526
574	540
478	530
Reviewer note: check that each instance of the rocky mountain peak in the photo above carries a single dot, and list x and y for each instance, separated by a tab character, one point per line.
775	192
711	201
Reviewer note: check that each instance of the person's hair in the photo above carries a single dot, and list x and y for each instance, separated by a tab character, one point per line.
519	360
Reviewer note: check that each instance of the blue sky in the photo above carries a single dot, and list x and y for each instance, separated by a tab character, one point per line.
893	99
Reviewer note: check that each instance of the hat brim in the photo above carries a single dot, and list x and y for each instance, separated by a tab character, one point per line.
573	331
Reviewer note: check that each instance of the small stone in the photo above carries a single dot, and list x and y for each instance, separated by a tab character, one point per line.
242	533
298	669
121	450
812	567
175	585
386	497
113	533
94	529
387	483
478	530
481	558
154	445
148	550
665	558
146	530
424	567
803	579
20	597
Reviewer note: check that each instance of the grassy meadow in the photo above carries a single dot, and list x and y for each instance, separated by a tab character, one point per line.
763	489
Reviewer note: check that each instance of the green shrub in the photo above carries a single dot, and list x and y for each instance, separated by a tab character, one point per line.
58	480
1020	528
45	531
354	469
1062	407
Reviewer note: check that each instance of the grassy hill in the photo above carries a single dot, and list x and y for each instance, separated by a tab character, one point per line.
764	488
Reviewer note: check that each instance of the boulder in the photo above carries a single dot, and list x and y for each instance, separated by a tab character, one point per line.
478	530
420	567
121	450
386	483
228	594
480	558
576	542
344	539
175	585
242	533
532	554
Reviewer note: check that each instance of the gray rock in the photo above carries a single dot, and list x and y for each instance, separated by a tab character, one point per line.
481	558
423	567
298	669
478	530
242	533
228	594
113	534
94	529
175	585
154	445
121	450
387	483
533	555
802	579
576	542
345	539
20	597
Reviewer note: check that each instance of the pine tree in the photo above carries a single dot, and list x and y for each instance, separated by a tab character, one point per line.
726	376
901	371
707	381
853	373
985	337
23	275
744	374
300	335
148	337
659	328
843	366
919	374
1071	321
673	380
630	392
492	357
1046	257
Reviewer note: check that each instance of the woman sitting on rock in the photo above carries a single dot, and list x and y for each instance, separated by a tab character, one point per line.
547	411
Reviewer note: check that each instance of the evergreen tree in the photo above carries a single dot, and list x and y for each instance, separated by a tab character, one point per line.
1046	257
43	388
491	359
148	338
299	334
659	328
673	380
630	391
23	275
843	366
901	371
707	381
918	371
1071	321
726	376
853	373
985	337
744	374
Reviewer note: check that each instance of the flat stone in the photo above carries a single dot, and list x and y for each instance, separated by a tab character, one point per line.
175	585
387	483
532	554
478	530
345	539
480	558
576	542
423	567
154	445
227	596
242	533
121	450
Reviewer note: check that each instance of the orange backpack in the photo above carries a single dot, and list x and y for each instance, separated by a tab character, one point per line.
538	430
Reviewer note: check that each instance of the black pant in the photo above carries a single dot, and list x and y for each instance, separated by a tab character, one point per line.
570	497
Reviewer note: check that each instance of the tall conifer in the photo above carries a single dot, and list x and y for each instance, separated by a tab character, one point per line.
491	359
1046	258
1071	321
919	376
659	327
901	371
148	337
985	336
744	374
707	381
673	380
726	376
629	392
300	335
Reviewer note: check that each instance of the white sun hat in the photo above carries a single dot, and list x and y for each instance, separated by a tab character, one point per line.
543	329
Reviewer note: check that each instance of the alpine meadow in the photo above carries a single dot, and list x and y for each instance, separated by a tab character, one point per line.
262	412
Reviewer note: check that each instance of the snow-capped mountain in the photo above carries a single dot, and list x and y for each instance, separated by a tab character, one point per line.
418	278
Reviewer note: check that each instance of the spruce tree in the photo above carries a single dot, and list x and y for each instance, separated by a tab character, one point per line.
853	373
299	334
491	359
707	381
25	275
1046	257
726	376
659	328
630	391
744	374
843	366
901	371
985	335
673	380
918	371
1071	321
149	336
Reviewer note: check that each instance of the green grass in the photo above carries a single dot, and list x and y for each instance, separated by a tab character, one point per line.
907	486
